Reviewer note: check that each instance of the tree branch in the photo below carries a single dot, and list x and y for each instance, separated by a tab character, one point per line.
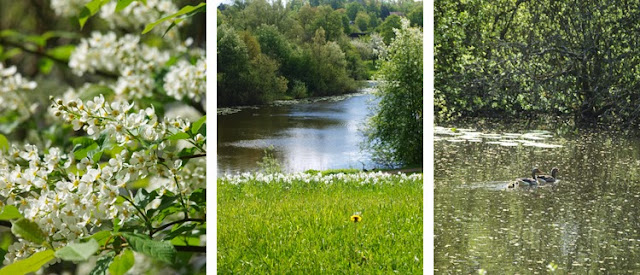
197	249
164	226
187	157
193	156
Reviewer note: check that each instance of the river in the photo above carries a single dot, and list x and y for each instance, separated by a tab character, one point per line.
587	223
314	134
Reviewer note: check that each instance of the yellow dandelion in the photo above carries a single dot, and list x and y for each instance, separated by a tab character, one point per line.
356	218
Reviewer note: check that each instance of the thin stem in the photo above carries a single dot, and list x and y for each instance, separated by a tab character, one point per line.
184	206
193	156
146	220
162	227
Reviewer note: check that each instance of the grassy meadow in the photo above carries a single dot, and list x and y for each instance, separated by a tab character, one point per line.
302	223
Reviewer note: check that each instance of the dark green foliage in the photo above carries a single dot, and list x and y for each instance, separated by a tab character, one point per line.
415	15
526	58
294	50
273	43
357	70
353	9
262	78
362	21
245	76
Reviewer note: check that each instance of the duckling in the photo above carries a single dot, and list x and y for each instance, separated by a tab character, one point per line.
542	179
526	181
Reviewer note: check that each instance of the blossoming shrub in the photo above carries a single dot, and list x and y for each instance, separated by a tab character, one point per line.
108	171
301	223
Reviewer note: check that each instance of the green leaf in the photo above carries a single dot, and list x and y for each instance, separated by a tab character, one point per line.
143	197
122	4
45	65
28	230
9	212
78	252
81	152
10	53
199	196
61	34
159	250
185	10
178	136
4	143
96	156
31	264
196	125
62	52
101	237
187	152
89	10
166	200
122	263
170	210
102	265
186	240
181	229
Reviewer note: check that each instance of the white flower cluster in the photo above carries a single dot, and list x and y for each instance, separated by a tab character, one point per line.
126	56
69	205
187	80
119	120
377	44
137	14
136	63
66	206
11	85
362	178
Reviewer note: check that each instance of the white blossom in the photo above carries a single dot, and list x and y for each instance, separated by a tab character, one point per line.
186	80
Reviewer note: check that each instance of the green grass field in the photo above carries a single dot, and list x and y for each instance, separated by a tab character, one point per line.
300	223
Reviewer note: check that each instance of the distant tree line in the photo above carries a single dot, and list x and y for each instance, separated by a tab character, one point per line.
296	49
580	59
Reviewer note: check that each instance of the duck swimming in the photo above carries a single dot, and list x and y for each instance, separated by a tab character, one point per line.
526	181
542	179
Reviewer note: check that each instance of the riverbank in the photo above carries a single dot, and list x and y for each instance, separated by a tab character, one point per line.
304	223
367	87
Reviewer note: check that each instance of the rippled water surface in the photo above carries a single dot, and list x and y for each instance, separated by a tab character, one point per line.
313	135
588	223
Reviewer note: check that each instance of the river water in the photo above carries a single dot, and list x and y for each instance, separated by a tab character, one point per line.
317	134
587	223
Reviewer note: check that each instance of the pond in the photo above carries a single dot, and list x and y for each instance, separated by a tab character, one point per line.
587	223
314	134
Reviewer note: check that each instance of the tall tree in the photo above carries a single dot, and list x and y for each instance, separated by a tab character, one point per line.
395	131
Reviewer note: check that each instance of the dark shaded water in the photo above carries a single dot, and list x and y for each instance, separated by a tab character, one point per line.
318	135
589	223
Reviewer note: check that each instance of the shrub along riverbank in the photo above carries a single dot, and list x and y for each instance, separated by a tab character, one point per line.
305	222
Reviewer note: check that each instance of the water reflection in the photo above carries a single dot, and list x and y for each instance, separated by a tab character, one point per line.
317	135
588	223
